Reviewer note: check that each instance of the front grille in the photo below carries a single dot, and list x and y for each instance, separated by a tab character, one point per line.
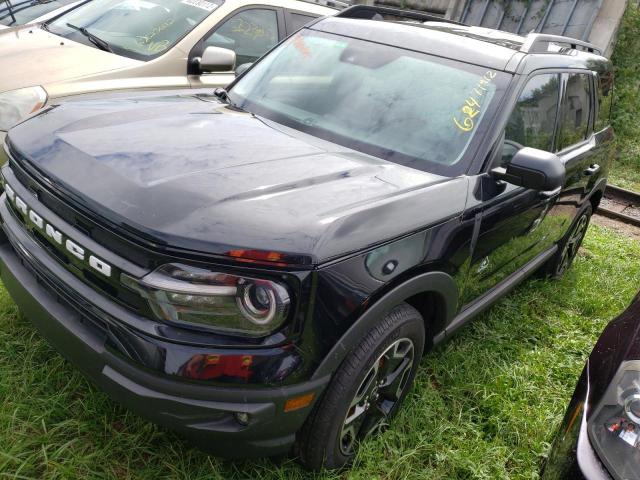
88	226
110	287
105	329
65	297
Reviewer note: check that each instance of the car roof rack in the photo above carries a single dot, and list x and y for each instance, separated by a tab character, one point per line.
10	9
372	12
539	43
339	4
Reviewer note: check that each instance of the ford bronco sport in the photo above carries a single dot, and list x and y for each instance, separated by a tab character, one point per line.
262	268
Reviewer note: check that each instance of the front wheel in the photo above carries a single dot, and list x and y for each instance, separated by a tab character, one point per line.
570	244
366	391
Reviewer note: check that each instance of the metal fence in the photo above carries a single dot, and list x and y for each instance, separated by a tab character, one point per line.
574	18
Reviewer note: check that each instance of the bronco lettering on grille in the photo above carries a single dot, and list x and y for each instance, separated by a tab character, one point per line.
55	236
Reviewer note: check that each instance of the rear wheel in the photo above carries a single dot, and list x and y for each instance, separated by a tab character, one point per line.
570	244
366	391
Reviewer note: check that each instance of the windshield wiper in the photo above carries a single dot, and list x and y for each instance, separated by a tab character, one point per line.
97	41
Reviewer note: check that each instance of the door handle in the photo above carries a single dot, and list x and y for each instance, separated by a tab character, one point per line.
551	193
592	170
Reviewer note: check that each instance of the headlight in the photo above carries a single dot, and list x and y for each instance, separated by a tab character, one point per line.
614	428
197	297
16	104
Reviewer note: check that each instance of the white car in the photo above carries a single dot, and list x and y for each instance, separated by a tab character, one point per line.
23	12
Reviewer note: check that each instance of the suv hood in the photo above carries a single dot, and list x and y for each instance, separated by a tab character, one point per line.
32	56
192	173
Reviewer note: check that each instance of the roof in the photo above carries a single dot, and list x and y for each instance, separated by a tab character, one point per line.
487	47
433	38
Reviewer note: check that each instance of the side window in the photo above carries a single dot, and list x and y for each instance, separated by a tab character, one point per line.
605	99
249	33
532	121
576	108
296	21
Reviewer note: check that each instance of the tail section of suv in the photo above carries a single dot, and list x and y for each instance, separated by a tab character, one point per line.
264	267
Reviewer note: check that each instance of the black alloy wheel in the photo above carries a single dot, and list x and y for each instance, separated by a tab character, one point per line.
365	392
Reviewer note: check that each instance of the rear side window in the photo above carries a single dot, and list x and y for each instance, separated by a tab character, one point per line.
605	99
533	119
296	21
576	109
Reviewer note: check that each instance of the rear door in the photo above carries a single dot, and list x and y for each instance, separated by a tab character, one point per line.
604	150
576	140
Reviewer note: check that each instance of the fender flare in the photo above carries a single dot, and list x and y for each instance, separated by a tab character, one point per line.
436	282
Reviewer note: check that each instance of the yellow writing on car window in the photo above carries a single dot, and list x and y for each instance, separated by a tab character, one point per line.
249	29
472	105
155	46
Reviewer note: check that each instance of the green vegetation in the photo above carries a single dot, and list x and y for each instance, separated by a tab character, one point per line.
485	404
626	169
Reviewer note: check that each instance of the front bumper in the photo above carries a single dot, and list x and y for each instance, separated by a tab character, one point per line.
203	413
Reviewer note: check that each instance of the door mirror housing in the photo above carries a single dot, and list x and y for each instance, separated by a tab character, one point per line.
217	59
533	168
243	68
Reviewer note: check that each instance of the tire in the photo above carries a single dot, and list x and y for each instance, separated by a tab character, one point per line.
569	245
356	403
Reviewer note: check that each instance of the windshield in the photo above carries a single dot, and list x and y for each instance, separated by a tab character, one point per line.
402	106
141	29
26	11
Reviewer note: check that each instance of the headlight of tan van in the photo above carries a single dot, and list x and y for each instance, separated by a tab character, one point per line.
16	104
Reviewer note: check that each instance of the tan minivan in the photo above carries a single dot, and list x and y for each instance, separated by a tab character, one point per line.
106	45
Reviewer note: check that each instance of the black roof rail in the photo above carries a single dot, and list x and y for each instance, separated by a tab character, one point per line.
534	41
339	4
369	12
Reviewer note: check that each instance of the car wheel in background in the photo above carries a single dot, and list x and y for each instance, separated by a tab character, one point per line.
570	244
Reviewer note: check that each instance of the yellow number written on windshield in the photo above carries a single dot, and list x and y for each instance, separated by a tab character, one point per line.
473	103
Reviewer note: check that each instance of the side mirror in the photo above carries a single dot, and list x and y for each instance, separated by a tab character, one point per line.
217	59
243	68
532	168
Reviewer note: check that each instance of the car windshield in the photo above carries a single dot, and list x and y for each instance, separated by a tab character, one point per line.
19	12
141	29
406	107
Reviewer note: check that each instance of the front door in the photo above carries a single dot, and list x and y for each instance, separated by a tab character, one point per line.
515	223
250	32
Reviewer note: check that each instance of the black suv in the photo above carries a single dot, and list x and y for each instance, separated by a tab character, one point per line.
265	266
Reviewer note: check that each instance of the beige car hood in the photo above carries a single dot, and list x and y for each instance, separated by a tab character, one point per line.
32	56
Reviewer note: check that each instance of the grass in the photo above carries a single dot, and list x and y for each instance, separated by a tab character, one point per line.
626	169
485	404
